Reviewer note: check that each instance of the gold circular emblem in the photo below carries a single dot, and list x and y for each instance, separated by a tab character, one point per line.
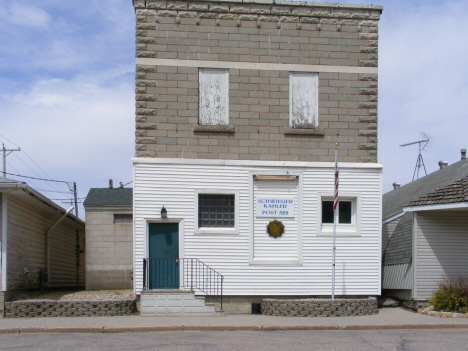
275	229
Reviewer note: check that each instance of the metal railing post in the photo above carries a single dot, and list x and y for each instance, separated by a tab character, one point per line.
222	278
202	277
144	274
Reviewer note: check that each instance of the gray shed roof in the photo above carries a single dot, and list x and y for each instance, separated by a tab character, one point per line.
109	197
452	193
393	201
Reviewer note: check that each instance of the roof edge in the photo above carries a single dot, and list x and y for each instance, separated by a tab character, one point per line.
257	163
138	4
110	207
393	217
435	207
45	200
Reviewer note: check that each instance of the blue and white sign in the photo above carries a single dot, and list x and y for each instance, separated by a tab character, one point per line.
275	207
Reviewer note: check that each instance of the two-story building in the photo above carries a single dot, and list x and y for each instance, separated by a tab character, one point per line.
239	105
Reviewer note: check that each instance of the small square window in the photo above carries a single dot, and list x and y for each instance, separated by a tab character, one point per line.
123	218
344	212
303	100
349	216
216	210
213	97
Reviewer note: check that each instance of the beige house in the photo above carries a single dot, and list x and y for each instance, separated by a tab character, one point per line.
42	245
109	238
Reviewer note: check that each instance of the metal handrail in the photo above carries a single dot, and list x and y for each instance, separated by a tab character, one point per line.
192	273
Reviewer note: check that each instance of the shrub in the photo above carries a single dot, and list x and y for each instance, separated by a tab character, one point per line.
452	295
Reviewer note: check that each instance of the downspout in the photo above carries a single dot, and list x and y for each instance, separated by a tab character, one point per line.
3	255
47	236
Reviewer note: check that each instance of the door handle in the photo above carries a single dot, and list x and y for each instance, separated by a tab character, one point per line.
176	256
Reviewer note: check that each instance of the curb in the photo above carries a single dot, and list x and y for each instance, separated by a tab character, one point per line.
181	328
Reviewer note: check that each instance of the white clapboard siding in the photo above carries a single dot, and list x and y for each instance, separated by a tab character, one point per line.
397	276
358	258
27	247
442	246
265	247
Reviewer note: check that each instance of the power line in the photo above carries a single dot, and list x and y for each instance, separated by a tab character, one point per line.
32	169
78	198
4	152
26	154
32	183
47	180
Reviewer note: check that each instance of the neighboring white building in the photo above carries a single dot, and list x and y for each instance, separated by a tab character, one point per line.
425	233
42	245
239	107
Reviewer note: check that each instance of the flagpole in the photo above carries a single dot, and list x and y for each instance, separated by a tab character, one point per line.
335	219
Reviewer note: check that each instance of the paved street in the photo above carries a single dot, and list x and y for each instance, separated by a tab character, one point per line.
329	340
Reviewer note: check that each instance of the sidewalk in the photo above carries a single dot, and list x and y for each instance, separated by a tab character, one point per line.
388	318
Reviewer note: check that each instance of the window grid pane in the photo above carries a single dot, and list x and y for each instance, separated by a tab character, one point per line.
215	210
345	213
327	211
123	218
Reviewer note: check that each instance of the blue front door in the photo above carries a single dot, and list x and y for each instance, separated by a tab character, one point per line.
163	255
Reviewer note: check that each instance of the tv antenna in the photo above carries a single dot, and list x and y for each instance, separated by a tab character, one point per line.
424	144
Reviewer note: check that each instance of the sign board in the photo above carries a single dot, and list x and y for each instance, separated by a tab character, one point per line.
275	207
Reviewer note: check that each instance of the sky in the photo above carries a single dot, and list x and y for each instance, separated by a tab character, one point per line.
67	89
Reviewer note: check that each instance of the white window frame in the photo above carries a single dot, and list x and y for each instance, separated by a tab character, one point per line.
300	223
353	229
309	82
216	230
205	118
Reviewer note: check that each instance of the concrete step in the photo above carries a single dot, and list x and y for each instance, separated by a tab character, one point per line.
175	303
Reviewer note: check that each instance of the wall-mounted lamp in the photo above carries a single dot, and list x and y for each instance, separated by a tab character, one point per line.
163	212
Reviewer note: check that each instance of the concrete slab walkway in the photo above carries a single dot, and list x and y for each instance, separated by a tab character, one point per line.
388	318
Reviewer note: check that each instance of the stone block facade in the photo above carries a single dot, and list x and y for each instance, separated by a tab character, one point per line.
109	251
320	307
17	309
260	43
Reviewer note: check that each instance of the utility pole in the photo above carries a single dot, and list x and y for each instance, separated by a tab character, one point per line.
5	155
76	202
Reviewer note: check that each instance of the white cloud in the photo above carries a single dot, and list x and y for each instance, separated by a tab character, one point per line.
79	129
15	13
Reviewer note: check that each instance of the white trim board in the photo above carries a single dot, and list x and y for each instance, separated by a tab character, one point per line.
391	218
255	66
280	262
452	206
247	163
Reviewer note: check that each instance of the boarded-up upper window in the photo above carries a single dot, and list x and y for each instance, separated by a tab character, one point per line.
214	97
303	100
